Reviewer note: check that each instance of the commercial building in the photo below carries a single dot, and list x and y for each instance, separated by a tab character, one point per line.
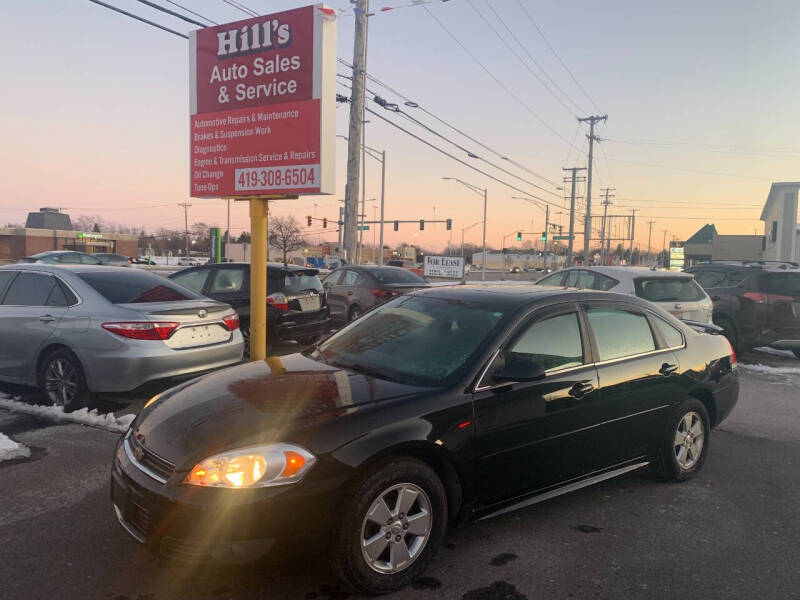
781	227
50	229
707	244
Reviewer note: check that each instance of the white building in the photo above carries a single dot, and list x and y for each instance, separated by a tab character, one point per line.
781	227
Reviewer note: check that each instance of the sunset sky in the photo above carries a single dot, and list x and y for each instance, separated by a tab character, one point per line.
701	100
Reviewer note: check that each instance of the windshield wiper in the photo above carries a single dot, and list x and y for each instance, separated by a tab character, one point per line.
366	370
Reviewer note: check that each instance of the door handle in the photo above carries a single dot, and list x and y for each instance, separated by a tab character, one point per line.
47	318
350	292
668	369
580	389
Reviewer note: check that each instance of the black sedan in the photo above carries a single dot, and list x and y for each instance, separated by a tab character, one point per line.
438	407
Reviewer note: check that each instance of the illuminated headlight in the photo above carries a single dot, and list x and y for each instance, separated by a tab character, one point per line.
256	466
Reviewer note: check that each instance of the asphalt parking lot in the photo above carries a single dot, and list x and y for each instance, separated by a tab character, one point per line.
731	532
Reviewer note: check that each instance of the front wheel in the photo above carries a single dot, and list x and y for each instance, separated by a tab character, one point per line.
394	520
685	445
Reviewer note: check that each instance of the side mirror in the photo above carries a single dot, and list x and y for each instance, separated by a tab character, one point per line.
520	370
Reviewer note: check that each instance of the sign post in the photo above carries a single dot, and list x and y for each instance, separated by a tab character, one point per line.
262	124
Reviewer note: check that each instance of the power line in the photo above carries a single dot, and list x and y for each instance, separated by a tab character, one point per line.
241	7
553	50
190	11
170	12
138	18
786	152
656	166
496	80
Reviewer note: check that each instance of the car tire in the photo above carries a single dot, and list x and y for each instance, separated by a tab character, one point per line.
354	313
307	340
729	331
685	445
393	499
63	381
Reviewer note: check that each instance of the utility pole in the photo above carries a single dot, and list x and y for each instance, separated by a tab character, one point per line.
185	206
649	236
340	223
603	253
354	137
633	231
587	228
573	179
664	244
383	189
546	235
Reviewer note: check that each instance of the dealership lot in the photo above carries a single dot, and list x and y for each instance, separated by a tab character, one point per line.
730	532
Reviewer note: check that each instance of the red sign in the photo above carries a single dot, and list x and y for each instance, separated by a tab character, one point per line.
263	104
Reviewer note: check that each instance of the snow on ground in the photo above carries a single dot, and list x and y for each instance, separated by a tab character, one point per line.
768	370
10	449
775	351
83	416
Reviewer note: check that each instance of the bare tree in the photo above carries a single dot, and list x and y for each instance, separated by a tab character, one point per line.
284	234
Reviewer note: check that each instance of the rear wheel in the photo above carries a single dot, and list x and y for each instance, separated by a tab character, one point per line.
685	445
729	331
355	312
394	520
62	379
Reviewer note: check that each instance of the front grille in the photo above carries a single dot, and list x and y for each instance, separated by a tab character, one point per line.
137	515
149	460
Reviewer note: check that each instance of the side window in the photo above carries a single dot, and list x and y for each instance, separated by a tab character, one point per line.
735	278
70	258
89	260
5	280
619	333
70	298
227	281
350	278
603	282
333	278
553	343
669	333
194	280
554	280
710	278
30	289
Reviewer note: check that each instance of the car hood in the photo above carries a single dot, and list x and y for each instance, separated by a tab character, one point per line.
258	402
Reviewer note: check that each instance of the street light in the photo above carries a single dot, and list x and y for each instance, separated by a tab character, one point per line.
479	191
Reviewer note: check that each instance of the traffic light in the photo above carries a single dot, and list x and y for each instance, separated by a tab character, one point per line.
396	225
544	236
421	224
309	220
519	236
449	224
324	222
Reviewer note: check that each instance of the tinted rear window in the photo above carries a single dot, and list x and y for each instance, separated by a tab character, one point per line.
396	276
293	282
129	286
669	289
780	283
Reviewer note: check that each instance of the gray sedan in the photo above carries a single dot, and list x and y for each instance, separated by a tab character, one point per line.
75	330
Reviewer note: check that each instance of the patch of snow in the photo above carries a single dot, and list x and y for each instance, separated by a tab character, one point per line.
775	351
83	416
766	369
10	449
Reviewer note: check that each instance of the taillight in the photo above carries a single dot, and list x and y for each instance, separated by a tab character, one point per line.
734	360
278	301
379	293
231	321
142	330
762	298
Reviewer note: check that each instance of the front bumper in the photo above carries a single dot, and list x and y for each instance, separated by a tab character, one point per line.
222	526
137	362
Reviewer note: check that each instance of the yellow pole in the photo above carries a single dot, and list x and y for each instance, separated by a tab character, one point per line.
259	212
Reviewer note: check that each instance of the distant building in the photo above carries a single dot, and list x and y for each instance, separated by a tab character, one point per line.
50	229
707	245
781	227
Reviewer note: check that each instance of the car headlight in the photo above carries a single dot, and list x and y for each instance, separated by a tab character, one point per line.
255	466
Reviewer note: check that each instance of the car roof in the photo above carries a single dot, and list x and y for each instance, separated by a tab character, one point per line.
632	272
47	268
272	266
761	266
51	252
375	267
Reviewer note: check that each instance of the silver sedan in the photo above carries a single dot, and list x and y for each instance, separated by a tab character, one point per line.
76	330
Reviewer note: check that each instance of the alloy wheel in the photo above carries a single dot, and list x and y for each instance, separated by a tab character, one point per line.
689	438
61	382
396	528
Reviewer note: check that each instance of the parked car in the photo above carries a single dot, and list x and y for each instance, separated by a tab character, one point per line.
756	304
441	406
75	330
297	306
143	260
62	257
114	260
188	261
354	290
409	265
677	293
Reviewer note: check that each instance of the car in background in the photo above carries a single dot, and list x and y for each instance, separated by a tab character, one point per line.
62	257
409	265
113	260
675	292
76	330
755	303
143	260
439	407
297	306
355	290
190	261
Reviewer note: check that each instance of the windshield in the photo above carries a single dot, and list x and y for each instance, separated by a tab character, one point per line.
413	339
781	283
669	289
396	276
131	286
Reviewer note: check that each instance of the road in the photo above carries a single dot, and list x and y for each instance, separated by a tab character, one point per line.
731	532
